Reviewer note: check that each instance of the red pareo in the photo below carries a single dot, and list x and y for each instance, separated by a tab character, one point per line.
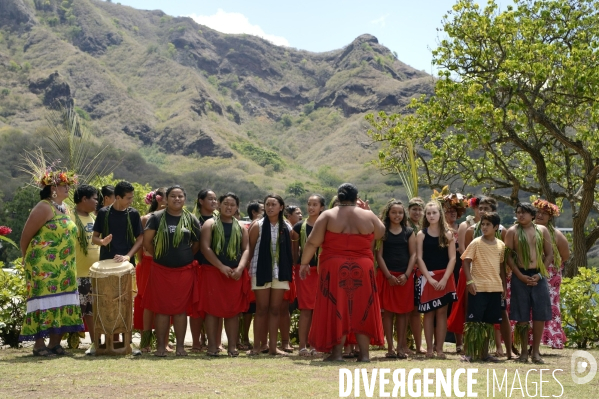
347	300
172	290
306	289
395	298
457	318
142	275
222	296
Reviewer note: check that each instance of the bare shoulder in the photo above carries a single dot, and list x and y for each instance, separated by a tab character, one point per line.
450	236
542	229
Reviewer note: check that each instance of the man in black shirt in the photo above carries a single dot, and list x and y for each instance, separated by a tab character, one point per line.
118	227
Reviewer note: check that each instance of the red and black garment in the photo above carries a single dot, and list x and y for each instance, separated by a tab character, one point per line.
172	286
222	296
347	300
396	254
435	259
307	288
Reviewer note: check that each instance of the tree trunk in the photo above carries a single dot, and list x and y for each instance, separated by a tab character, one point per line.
579	250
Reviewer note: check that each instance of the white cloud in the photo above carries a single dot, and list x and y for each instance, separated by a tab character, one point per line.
382	21
236	23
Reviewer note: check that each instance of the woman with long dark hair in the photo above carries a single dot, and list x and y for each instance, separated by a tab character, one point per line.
270	270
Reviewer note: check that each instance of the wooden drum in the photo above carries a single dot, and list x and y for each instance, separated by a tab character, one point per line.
112	306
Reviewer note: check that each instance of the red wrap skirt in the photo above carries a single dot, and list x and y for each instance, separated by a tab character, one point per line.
457	318
142	275
395	298
291	293
222	296
430	299
306	289
347	300
172	290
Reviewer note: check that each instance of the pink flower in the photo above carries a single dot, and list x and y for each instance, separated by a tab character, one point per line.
4	230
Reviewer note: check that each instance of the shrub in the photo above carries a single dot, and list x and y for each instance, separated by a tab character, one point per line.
13	304
580	308
286	120
259	155
172	50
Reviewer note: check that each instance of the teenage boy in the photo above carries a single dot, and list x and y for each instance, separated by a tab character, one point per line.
118	227
530	254
486	285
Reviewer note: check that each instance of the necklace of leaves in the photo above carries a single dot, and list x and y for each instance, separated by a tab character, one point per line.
218	238
304	238
525	248
161	242
106	230
81	233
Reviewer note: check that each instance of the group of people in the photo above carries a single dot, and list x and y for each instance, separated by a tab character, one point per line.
356	278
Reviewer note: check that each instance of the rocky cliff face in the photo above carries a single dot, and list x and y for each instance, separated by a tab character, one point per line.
146	79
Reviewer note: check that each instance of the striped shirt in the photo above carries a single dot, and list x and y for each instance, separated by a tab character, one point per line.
486	264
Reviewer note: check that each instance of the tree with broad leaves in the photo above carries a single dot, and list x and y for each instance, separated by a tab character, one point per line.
296	189
515	109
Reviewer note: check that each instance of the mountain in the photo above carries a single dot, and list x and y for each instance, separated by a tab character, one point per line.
189	98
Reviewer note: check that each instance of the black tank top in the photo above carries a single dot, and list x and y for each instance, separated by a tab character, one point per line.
434	256
199	256
396	252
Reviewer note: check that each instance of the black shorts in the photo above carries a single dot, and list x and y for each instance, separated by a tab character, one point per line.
485	307
526	298
251	309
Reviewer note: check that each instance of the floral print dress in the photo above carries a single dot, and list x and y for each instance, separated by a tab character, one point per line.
51	278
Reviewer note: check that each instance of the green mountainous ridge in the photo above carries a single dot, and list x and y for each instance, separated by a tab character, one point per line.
180	99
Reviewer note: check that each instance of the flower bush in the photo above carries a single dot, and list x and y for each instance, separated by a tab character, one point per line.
13	304
580	308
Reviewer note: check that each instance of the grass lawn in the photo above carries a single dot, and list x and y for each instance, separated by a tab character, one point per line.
77	375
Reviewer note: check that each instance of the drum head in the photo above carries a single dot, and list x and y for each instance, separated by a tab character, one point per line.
109	267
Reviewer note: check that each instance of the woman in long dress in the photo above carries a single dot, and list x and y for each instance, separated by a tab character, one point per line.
347	301
48	247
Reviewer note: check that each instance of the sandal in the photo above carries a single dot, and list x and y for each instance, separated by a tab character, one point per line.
58	350
429	355
159	354
234	353
43	352
252	352
349	355
459	349
401	355
195	349
304	352
441	356
537	360
213	354
242	347
391	355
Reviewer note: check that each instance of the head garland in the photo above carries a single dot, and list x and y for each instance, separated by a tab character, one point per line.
451	200
44	174
547	207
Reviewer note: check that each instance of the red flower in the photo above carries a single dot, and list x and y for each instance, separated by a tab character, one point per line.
4	231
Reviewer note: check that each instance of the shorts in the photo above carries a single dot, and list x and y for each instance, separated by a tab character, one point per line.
84	286
484	307
275	285
526	298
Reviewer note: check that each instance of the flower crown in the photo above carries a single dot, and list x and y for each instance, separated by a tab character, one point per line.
446	198
547	207
57	178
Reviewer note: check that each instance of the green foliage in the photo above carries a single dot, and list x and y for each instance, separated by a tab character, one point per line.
26	67
259	155
5	92
82	113
366	47
296	188
153	155
213	80
328	178
53	21
517	115
13	66
171	50
152	48
286	120
580	308
14	213
13	304
308	108
139	194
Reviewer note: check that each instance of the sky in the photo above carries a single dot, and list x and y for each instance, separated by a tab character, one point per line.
408	27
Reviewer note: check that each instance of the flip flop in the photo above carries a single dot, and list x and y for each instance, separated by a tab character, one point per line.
390	355
213	354
537	360
58	350
234	353
43	352
304	352
159	355
349	355
402	356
